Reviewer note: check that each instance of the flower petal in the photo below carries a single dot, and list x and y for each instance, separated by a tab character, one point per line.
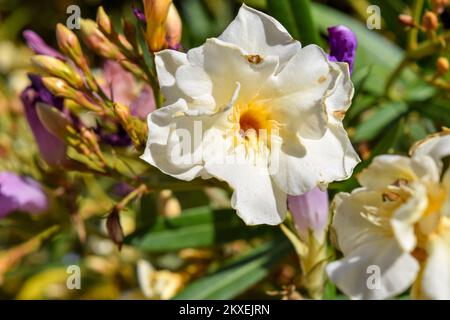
406	216
222	66
170	144
365	246
310	212
297	93
356	275
257	33
306	163
167	63
20	193
436	146
256	198
436	274
385	170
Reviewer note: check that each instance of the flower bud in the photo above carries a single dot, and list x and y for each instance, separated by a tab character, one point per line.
58	68
59	87
310	213
406	20
439	5
103	21
114	228
70	46
174	28
38	45
442	65
156	12
140	16
97	41
430	21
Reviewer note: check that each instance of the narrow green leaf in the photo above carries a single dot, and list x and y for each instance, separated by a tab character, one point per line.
198	227
231	280
281	10
383	116
307	29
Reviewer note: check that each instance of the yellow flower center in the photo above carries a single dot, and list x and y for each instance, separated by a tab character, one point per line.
253	125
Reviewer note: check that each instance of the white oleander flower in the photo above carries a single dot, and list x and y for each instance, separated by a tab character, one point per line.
398	223
270	112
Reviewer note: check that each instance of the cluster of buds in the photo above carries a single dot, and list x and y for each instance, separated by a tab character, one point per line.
430	24
439	5
135	128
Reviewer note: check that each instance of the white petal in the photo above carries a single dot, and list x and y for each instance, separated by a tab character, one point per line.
196	86
167	63
256	198
436	275
405	217
356	274
175	140
297	94
385	170
436	146
226	65
339	98
367	246
306	163
257	33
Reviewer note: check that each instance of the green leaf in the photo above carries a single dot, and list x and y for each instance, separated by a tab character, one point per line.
437	110
233	279
281	10
383	116
197	227
307	29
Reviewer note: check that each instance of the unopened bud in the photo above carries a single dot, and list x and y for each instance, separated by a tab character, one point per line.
439	5
59	87
89	136
406	20
173	28
103	21
122	112
70	46
114	228
430	21
156	12
97	41
62	89
442	65
57	68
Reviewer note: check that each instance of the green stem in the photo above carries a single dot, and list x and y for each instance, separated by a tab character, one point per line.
414	32
424	49
396	73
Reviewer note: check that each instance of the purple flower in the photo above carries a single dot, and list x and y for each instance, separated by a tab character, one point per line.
52	148
20	194
38	45
310	212
121	86
343	43
139	15
118	139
